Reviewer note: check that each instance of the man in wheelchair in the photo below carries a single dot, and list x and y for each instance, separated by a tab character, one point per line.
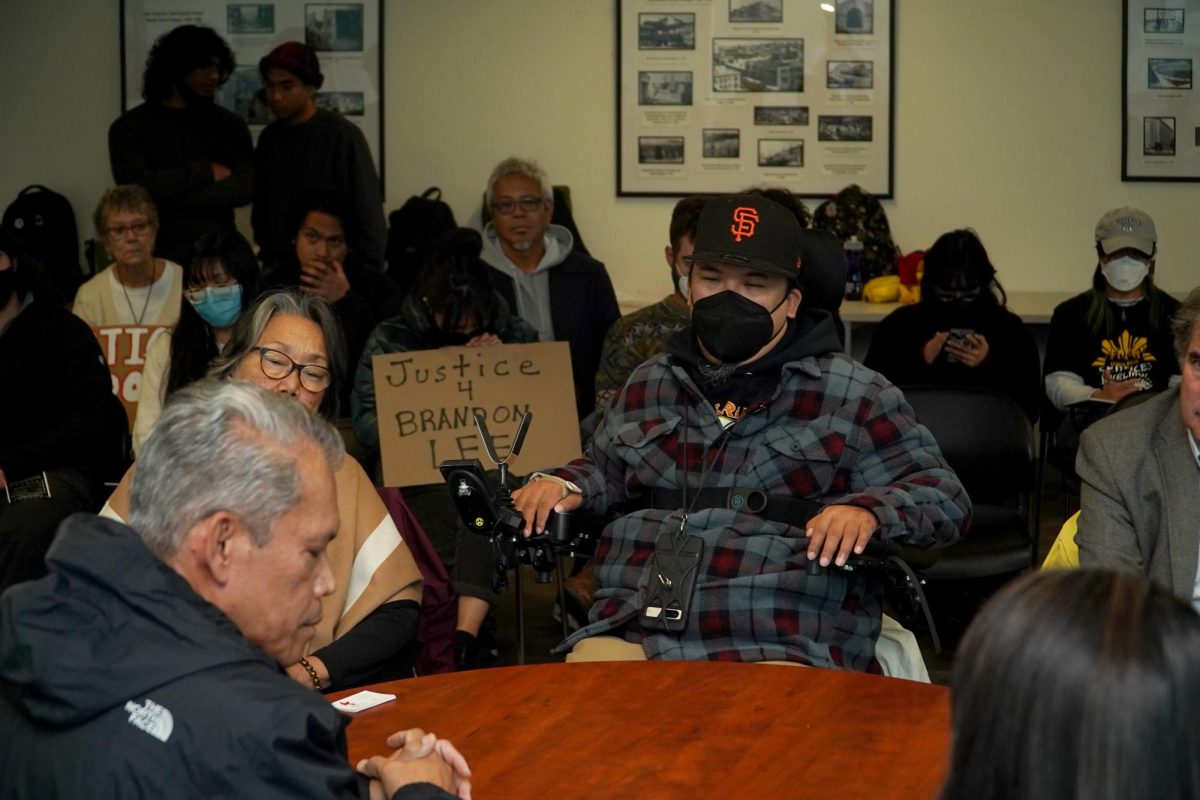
750	463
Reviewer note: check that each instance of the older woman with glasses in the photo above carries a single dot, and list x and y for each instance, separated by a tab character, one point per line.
291	343
137	289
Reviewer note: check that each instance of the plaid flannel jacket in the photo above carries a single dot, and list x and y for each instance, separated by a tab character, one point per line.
834	432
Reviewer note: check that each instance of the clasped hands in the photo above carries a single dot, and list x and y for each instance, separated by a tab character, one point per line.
419	757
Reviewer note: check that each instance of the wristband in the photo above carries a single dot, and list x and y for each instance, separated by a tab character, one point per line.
312	673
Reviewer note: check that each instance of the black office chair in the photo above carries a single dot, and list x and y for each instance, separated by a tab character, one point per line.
989	442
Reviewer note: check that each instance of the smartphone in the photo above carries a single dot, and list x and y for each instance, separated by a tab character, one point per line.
958	336
673	569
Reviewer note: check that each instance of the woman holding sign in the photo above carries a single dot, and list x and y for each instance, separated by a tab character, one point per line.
452	305
290	342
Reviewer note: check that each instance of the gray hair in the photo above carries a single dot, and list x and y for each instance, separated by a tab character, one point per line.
253	321
129	197
519	166
1183	323
223	446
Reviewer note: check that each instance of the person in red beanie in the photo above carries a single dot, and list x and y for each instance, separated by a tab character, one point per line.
306	148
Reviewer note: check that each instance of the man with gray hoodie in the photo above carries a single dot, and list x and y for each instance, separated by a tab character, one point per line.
566	295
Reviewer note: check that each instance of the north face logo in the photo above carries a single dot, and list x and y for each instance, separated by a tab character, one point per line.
151	718
745	220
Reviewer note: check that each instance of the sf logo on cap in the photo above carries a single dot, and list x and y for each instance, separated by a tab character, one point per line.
745	219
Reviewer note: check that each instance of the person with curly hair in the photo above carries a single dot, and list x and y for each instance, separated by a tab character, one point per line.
193	156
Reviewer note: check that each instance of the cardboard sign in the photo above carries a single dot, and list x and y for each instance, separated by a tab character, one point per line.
124	349
426	402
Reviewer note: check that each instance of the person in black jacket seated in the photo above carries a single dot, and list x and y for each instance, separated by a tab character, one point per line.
960	333
565	295
59	416
149	663
326	264
1113	340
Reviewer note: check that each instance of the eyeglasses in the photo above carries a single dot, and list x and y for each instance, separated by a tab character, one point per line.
277	366
951	295
529	203
121	231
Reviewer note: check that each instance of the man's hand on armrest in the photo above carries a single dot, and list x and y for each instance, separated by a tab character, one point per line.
535	500
837	530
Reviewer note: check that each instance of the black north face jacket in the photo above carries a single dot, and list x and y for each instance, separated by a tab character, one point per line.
118	680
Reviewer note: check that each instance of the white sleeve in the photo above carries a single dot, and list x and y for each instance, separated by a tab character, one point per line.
154	384
86	305
1066	388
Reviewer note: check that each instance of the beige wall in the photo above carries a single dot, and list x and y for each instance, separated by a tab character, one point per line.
1007	120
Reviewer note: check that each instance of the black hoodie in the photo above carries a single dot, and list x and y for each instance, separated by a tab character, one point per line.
118	680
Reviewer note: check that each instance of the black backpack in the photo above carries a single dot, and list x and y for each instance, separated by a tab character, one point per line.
414	231
45	223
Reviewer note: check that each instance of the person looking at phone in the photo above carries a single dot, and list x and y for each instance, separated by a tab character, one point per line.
752	448
960	333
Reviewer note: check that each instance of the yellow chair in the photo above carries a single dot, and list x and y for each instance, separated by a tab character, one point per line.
1064	553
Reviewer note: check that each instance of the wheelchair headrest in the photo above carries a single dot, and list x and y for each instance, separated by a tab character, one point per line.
823	270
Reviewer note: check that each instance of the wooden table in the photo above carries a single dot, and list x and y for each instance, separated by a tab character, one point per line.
676	730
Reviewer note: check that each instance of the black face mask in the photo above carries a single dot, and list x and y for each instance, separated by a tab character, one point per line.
732	327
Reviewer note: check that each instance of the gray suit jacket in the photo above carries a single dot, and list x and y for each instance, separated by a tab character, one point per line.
1141	495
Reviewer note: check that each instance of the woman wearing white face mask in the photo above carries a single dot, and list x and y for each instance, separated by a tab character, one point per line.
221	279
1115	339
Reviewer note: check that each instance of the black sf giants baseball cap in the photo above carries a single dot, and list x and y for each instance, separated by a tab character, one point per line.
748	230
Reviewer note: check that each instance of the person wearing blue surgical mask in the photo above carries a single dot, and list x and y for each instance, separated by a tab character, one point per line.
221	279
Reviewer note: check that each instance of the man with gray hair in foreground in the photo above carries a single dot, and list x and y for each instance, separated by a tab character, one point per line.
148	662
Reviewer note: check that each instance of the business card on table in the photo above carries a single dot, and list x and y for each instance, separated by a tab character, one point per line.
361	701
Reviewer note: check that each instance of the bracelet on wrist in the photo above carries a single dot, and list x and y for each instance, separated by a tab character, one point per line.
312	673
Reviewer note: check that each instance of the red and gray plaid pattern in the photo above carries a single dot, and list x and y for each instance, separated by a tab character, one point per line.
835	432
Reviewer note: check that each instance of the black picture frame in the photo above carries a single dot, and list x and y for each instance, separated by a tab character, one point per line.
1160	120
809	93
